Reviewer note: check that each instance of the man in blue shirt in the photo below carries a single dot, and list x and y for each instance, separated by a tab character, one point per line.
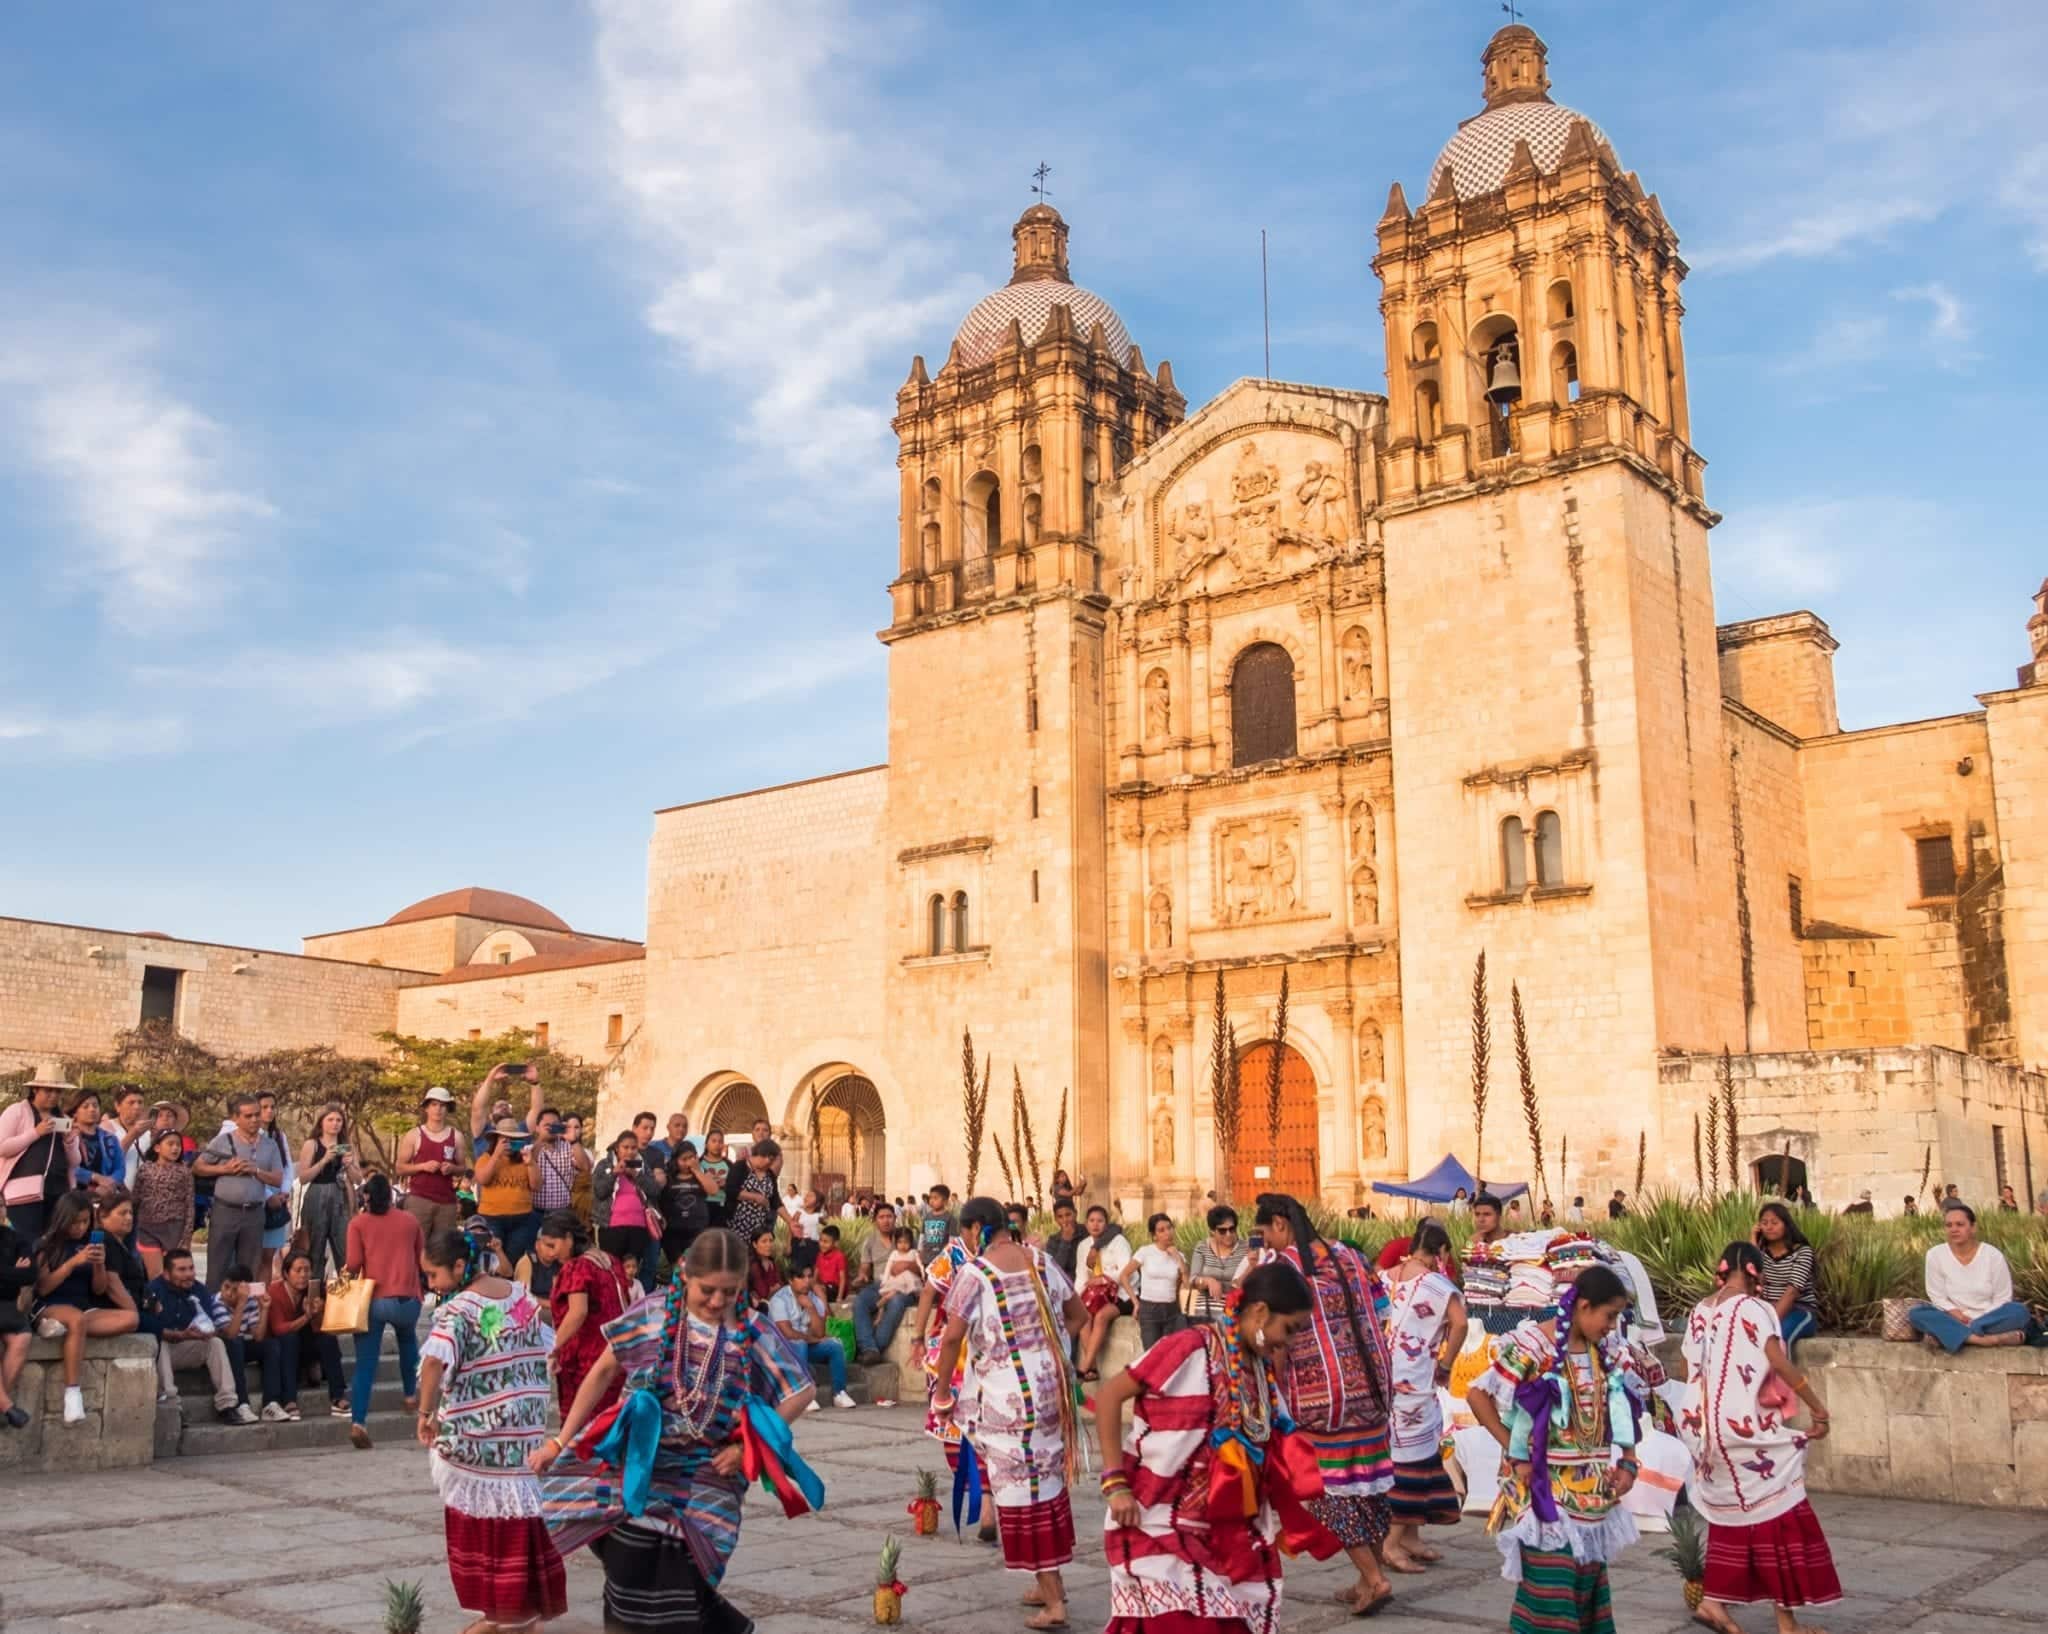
193	1329
798	1312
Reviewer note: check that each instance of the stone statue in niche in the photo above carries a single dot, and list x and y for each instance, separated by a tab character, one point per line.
1162	1136
1372	1066
1162	1071
1365	896
1162	919
1364	841
1158	707
1324	515
1355	657
1261	867
1372	1129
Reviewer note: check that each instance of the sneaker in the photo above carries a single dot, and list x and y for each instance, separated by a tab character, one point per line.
50	1328
338	1407
359	1437
291	1411
274	1413
14	1418
74	1405
244	1413
163	1396
868	1358
883	1401
813	1407
841	1399
226	1415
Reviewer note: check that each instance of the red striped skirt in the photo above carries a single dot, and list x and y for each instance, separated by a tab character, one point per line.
506	1570
1037	1537
1782	1562
1177	1622
1423	1494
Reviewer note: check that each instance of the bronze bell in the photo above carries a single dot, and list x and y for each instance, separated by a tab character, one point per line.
1505	386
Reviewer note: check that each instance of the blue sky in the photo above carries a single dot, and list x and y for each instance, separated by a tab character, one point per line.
436	437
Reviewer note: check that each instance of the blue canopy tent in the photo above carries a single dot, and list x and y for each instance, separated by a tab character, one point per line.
1445	1181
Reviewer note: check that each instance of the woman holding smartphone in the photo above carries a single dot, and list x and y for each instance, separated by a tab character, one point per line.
329	1169
75	1292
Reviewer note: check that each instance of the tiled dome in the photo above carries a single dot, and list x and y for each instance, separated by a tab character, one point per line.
1479	155
982	330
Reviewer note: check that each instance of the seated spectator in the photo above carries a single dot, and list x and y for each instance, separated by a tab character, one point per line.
292	1332
1212	1268
764	1272
876	1312
1104	1254
806	1217
798	1312
247	1302
114	1217
76	1296
17	1276
163	1202
190	1325
1969	1289
385	1244
1788	1282
831	1267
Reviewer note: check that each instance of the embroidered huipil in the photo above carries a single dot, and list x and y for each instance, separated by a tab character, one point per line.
494	1401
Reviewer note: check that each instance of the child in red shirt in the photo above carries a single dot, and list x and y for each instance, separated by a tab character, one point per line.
831	1268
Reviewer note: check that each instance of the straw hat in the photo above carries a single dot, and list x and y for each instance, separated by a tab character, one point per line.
50	1075
180	1116
510	1129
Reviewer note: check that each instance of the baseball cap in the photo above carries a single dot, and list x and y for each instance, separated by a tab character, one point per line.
437	1093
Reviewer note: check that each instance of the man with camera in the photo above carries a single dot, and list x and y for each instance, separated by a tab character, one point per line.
245	1163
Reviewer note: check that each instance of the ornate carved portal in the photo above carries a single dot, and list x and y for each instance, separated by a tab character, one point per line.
1236	504
1258	869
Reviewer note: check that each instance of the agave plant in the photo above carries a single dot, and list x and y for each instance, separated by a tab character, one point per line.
404	1606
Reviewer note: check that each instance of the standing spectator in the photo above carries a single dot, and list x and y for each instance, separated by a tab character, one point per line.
1212	1268
1617	1205
504	1185
1576	1214
1159	1272
590	1291
1063	1247
798	1312
17	1277
937	1225
35	1169
291	1333
130	1123
1461	1201
163	1202
627	1193
385	1246
806	1229
1862	1205
1912	1205
555	1163
643	1132
99	1161
1788	1273
2008	1200
831	1266
245	1164
662	1153
685	1205
764	1271
429	1159
328	1166
750	1201
190	1327
167	1121
1104	1254
876	1312
715	1167
277	1202
1969	1289
1065	1190
76	1296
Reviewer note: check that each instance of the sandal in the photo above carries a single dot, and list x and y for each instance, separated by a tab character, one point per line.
1048	1619
1721	1624
1377	1604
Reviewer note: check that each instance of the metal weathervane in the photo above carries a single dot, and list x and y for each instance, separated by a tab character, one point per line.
1038	181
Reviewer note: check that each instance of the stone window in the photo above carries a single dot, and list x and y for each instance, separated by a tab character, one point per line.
1034	885
1429	411
1549	849
1514	855
960	943
1795	898
504	955
476	1032
1564	372
1034	800
1998	1155
1262	705
160	994
936	942
540	1035
614	1030
1936	859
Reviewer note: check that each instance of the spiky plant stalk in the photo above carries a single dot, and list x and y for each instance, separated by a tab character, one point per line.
1531	1113
1059	1134
1927	1167
1482	1047
1229	1105
1564	1168
1714	1145
1030	1154
1273	1066
1219	1078
1699	1172
1729	1130
1642	1161
975	1105
1016	1129
1003	1163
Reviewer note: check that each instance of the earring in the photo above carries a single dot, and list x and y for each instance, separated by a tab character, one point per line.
1259	1339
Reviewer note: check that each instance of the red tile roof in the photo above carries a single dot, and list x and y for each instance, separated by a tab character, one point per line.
478	903
612	954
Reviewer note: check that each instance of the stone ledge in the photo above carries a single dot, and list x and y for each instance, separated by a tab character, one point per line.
118	1382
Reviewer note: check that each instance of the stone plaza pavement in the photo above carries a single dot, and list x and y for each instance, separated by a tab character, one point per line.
299	1543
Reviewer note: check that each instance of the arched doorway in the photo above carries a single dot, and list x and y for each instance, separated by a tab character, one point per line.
847	1138
738	1108
1263	1162
1780	1175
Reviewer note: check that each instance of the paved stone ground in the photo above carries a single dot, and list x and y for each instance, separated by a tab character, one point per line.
299	1543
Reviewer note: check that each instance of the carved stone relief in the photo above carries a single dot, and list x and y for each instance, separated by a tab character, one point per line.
1246	501
1324	513
1161	917
1162	1103
1364	839
1354	656
1158	707
1365	896
1258	868
1162	1136
1372	1065
1372	1129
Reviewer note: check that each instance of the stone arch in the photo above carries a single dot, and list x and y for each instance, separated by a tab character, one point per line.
728	1103
1265	705
848	1150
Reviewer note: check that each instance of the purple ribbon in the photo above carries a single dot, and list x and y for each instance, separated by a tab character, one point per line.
1538	1397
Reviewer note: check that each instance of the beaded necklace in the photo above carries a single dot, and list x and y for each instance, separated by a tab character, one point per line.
1589	1400
697	1401
1253	1409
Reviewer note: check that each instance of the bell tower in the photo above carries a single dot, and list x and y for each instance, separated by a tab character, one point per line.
1532	301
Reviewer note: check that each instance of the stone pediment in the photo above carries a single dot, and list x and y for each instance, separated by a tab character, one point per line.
1257	486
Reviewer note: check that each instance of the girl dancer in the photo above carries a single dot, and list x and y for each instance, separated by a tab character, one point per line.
1425	1329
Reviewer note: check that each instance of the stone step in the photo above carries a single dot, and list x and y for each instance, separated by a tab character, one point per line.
316	1429
865	1384
194	1382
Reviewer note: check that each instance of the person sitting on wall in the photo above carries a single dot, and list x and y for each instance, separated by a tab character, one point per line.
1969	1289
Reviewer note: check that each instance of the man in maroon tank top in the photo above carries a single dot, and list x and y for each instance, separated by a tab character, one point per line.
430	1157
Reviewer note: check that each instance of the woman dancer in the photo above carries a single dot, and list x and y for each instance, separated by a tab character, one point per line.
939	1423
1748	1481
1563	1398
589	1292
485	1368
693	1367
1337	1378
1174	1564
1425	1329
1008	1310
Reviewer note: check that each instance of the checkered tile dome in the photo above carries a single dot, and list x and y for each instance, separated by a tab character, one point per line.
1479	155
1031	303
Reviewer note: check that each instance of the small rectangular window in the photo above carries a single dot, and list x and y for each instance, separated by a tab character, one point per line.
1795	899
504	955
1034	800
614	1029
1998	1155
160	994
1031	710
540	1035
1034	885
476	1032
1936	858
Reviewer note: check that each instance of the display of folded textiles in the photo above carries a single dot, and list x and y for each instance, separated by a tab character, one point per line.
1531	1285
1574	1253
1486	1282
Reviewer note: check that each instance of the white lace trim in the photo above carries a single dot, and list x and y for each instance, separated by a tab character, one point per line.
1587	1540
511	1496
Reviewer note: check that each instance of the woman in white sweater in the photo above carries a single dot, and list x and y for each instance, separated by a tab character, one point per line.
1969	1289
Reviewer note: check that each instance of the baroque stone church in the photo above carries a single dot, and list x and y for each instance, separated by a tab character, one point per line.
1325	684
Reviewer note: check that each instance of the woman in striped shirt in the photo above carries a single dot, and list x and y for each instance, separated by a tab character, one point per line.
1788	1284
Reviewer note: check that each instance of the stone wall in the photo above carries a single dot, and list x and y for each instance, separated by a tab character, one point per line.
2017	723
1910	1422
592	1011
1763	771
118	1381
1855	993
66	991
1783	668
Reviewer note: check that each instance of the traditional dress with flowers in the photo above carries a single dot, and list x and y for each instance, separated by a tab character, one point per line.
493	1413
1017	1403
1205	1556
1337	1379
1418	1312
1764	1543
639	1486
1566	1413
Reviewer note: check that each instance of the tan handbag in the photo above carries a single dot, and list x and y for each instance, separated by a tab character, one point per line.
348	1305
1897	1322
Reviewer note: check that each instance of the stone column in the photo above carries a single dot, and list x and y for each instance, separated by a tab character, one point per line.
1400	1159
1341	1180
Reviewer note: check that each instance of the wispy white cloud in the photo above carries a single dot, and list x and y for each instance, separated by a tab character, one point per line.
1948	331
1808	235
1768	555
775	214
2023	191
93	735
802	669
155	488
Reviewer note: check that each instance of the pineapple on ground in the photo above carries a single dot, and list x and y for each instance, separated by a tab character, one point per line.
925	1507
404	1606
1687	1553
888	1593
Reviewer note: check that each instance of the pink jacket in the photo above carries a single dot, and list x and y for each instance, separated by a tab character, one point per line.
17	1134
